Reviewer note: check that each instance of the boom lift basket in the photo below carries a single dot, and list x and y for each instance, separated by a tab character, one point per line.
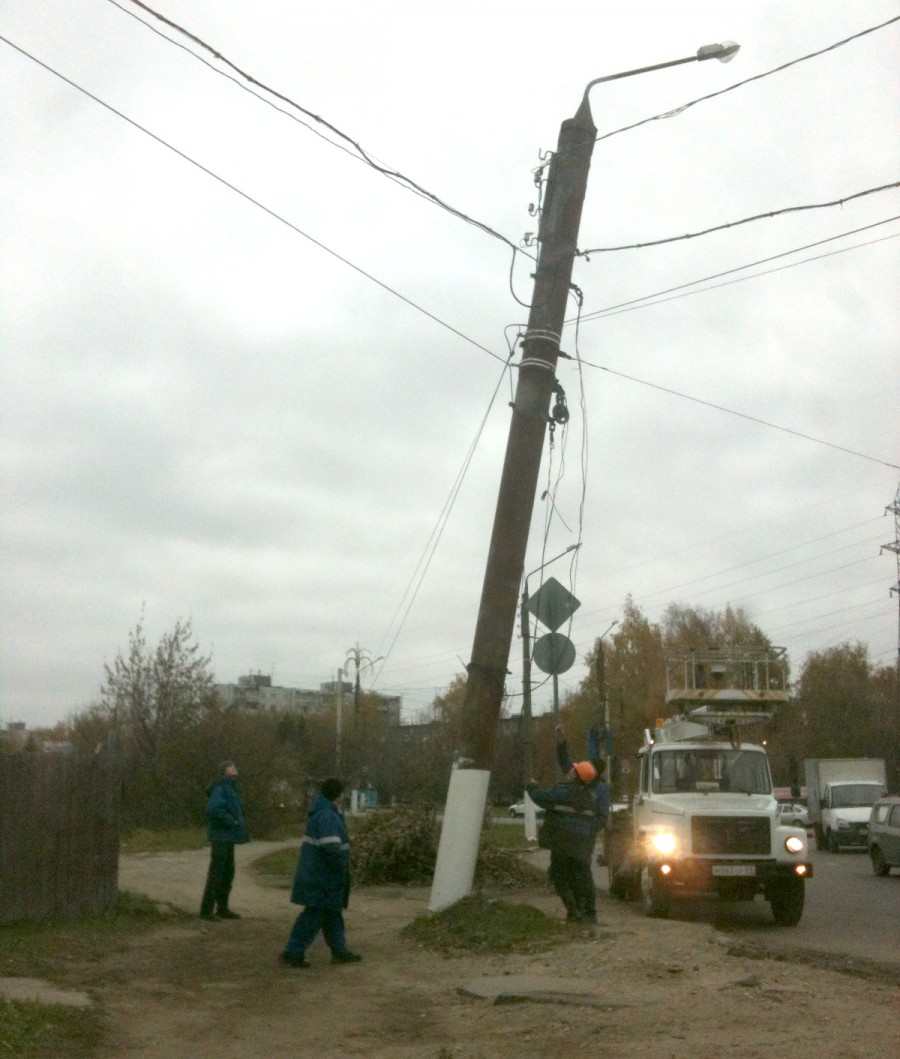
724	689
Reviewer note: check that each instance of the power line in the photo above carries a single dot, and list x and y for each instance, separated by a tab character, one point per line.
732	411
255	202
361	153
601	315
763	573
396	293
418	576
765	558
868	604
636	303
734	224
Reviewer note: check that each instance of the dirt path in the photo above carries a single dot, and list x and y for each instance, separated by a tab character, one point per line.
647	988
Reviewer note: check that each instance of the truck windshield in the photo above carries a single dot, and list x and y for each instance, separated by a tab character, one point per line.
712	769
856	795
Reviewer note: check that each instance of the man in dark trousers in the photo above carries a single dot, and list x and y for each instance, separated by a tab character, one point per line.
322	881
600	793
225	828
569	831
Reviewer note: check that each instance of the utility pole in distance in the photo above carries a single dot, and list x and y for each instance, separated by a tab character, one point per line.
557	245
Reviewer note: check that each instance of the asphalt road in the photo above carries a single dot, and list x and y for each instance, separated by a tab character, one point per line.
849	911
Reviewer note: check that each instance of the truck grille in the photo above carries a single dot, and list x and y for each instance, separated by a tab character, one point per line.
713	835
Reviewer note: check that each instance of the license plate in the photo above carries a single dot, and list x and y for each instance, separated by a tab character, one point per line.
731	870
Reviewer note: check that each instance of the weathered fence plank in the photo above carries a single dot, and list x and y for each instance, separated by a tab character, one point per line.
59	833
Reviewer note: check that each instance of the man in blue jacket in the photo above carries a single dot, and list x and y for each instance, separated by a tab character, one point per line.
569	831
599	788
587	909
322	881
225	829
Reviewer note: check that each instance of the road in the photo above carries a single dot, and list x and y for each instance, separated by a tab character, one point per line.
849	912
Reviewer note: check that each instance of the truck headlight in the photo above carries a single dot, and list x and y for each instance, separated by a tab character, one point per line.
793	844
663	842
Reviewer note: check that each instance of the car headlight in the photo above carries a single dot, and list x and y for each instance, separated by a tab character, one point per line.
663	842
793	844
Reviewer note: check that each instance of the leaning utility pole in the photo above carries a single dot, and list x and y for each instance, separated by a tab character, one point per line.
557	246
557	242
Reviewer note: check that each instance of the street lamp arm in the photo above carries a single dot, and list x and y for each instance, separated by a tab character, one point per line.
571	548
724	52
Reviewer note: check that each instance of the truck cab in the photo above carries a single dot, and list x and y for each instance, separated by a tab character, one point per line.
840	795
846	808
704	818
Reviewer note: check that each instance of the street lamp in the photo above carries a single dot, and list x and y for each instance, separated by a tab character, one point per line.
724	52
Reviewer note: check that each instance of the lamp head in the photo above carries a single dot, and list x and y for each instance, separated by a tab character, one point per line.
724	52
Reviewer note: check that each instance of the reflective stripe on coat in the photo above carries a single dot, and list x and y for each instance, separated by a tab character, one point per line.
323	870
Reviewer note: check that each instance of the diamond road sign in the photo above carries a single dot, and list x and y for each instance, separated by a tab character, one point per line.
553	604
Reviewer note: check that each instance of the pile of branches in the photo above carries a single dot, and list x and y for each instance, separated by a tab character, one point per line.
400	847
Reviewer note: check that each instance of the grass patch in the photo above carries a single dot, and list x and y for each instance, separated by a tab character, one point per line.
32	949
54	949
507	834
29	1029
481	924
277	868
174	840
181	839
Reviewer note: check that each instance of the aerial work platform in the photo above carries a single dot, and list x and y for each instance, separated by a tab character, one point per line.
724	688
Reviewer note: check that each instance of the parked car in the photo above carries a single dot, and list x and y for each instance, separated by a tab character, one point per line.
884	835
518	809
793	813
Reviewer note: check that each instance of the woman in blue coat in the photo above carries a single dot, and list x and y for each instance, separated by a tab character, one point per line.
322	881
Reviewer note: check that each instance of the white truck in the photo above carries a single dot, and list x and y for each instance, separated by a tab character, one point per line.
840	793
704	818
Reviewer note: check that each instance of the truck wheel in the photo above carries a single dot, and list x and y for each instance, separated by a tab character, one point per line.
879	864
655	898
787	901
831	841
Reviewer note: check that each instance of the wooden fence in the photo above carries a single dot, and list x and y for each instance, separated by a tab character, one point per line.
59	833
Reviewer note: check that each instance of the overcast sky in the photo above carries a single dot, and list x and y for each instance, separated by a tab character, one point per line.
243	371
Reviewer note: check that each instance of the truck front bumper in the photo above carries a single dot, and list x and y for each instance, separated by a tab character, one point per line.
708	875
